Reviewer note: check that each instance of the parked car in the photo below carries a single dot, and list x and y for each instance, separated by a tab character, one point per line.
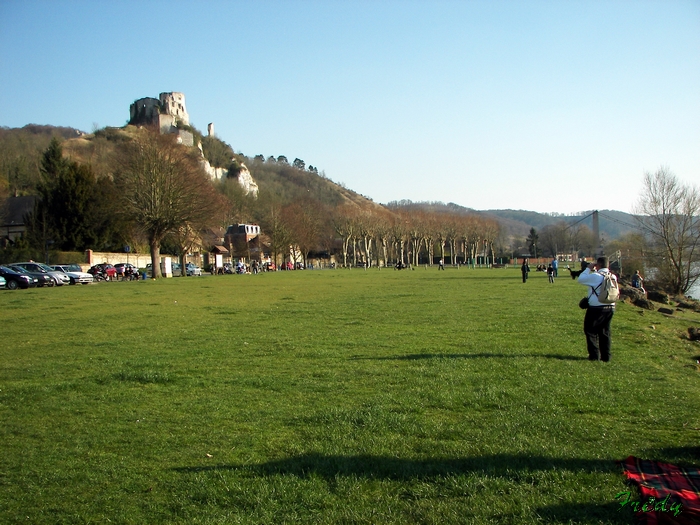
75	273
59	278
126	271
15	279
3	283
42	278
192	269
103	272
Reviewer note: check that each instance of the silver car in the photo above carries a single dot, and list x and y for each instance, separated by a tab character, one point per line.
59	278
75	273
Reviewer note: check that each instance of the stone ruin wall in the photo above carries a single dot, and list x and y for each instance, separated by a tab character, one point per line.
174	104
164	111
144	111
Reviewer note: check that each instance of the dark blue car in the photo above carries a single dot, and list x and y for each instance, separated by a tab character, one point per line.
16	279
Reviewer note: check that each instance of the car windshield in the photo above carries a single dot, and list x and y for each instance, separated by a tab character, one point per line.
19	269
44	267
73	268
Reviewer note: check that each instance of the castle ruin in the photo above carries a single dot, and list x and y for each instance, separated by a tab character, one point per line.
167	112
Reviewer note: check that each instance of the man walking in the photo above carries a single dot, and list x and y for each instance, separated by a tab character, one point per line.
525	269
596	323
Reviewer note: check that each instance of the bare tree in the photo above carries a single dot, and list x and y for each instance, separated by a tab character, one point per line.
187	240
304	220
553	238
490	230
345	225
277	231
669	212
163	189
383	231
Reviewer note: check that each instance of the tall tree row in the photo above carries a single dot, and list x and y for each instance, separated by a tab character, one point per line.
410	236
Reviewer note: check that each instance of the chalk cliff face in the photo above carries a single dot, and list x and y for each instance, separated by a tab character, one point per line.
245	179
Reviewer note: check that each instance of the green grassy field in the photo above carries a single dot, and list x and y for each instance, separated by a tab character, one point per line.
377	396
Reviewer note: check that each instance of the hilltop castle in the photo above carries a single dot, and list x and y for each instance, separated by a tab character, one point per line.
166	112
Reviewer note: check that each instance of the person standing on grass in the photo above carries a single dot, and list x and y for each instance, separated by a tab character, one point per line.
441	264
550	273
555	267
525	269
596	323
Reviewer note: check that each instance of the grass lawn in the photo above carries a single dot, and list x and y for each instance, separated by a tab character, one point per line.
344	396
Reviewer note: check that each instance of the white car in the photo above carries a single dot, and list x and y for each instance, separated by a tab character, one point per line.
75	273
192	269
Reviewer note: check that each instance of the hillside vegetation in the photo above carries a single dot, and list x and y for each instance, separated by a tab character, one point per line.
296	205
21	149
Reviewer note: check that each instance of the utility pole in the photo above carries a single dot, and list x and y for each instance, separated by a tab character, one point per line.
596	234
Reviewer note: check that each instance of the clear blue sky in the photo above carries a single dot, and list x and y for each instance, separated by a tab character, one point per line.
488	104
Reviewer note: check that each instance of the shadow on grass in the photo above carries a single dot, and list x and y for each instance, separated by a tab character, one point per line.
688	457
574	513
481	355
517	468
382	467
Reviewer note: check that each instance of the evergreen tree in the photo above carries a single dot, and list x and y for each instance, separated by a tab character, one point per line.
532	241
72	210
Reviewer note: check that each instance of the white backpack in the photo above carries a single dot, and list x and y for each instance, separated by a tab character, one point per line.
609	290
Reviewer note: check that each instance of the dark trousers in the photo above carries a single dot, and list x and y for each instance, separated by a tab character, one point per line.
596	326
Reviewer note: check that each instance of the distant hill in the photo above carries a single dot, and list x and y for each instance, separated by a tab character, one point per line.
286	182
517	223
45	130
289	184
612	223
20	153
20	150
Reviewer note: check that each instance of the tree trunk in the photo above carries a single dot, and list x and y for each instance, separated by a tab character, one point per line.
181	259
368	251
155	258
346	243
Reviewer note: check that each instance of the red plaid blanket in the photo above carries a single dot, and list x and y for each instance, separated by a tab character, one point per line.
670	494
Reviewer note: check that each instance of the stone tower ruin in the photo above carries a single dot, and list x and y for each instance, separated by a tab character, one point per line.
149	111
165	112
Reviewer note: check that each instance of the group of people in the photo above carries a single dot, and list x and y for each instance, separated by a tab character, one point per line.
552	269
